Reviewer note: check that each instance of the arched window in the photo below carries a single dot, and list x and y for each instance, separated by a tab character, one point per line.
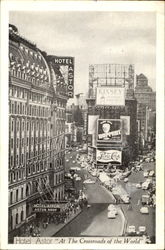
11	222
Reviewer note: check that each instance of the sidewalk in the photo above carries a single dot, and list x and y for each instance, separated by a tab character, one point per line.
52	228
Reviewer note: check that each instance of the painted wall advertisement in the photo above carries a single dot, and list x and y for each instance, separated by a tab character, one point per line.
109	156
110	96
109	130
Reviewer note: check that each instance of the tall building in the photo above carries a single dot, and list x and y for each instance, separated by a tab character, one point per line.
146	107
112	106
144	93
37	102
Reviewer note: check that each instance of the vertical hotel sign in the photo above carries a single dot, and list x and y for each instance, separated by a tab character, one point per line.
68	62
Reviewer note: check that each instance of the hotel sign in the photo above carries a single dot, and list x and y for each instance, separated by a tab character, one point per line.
109	156
110	96
66	67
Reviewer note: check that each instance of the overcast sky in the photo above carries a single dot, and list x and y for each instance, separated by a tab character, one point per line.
93	37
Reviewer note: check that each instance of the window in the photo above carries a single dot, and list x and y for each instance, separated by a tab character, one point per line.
12	125
17	126
11	197
22	142
22	158
11	142
17	160
20	174
23	125
21	215
11	159
16	219
22	193
27	141
17	142
16	195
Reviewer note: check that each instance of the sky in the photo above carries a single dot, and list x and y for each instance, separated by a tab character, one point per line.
93	37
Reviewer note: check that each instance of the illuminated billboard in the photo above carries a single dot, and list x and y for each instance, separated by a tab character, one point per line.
107	156
110	96
109	130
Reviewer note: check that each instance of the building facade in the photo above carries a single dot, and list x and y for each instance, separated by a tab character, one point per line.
37	104
146	109
111	100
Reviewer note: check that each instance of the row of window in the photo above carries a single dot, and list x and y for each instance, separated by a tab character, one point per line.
34	97
20	142
16	176
32	110
29	77
18	219
22	125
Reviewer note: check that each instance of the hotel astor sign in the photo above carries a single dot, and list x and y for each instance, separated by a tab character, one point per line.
66	65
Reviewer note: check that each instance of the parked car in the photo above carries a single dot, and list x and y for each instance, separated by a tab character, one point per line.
111	214
145	185
144	210
142	230
131	230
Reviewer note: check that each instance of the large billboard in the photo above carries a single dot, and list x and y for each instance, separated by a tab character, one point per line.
66	68
110	96
107	156
109	130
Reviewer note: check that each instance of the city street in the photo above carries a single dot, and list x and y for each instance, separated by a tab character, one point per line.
93	221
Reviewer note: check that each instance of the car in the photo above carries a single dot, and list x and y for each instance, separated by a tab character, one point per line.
147	159
142	230
125	199
70	157
111	214
67	160
144	210
111	207
73	162
151	173
138	185
131	230
145	199
125	180
145	185
145	174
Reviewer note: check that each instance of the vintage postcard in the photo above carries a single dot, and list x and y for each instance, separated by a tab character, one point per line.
82	125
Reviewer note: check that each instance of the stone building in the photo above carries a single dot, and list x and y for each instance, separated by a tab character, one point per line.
37	103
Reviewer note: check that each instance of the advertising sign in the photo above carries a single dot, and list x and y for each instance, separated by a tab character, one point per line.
110	96
66	67
109	156
126	124
109	130
46	208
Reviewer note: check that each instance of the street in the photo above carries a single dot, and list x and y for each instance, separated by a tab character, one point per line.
93	221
